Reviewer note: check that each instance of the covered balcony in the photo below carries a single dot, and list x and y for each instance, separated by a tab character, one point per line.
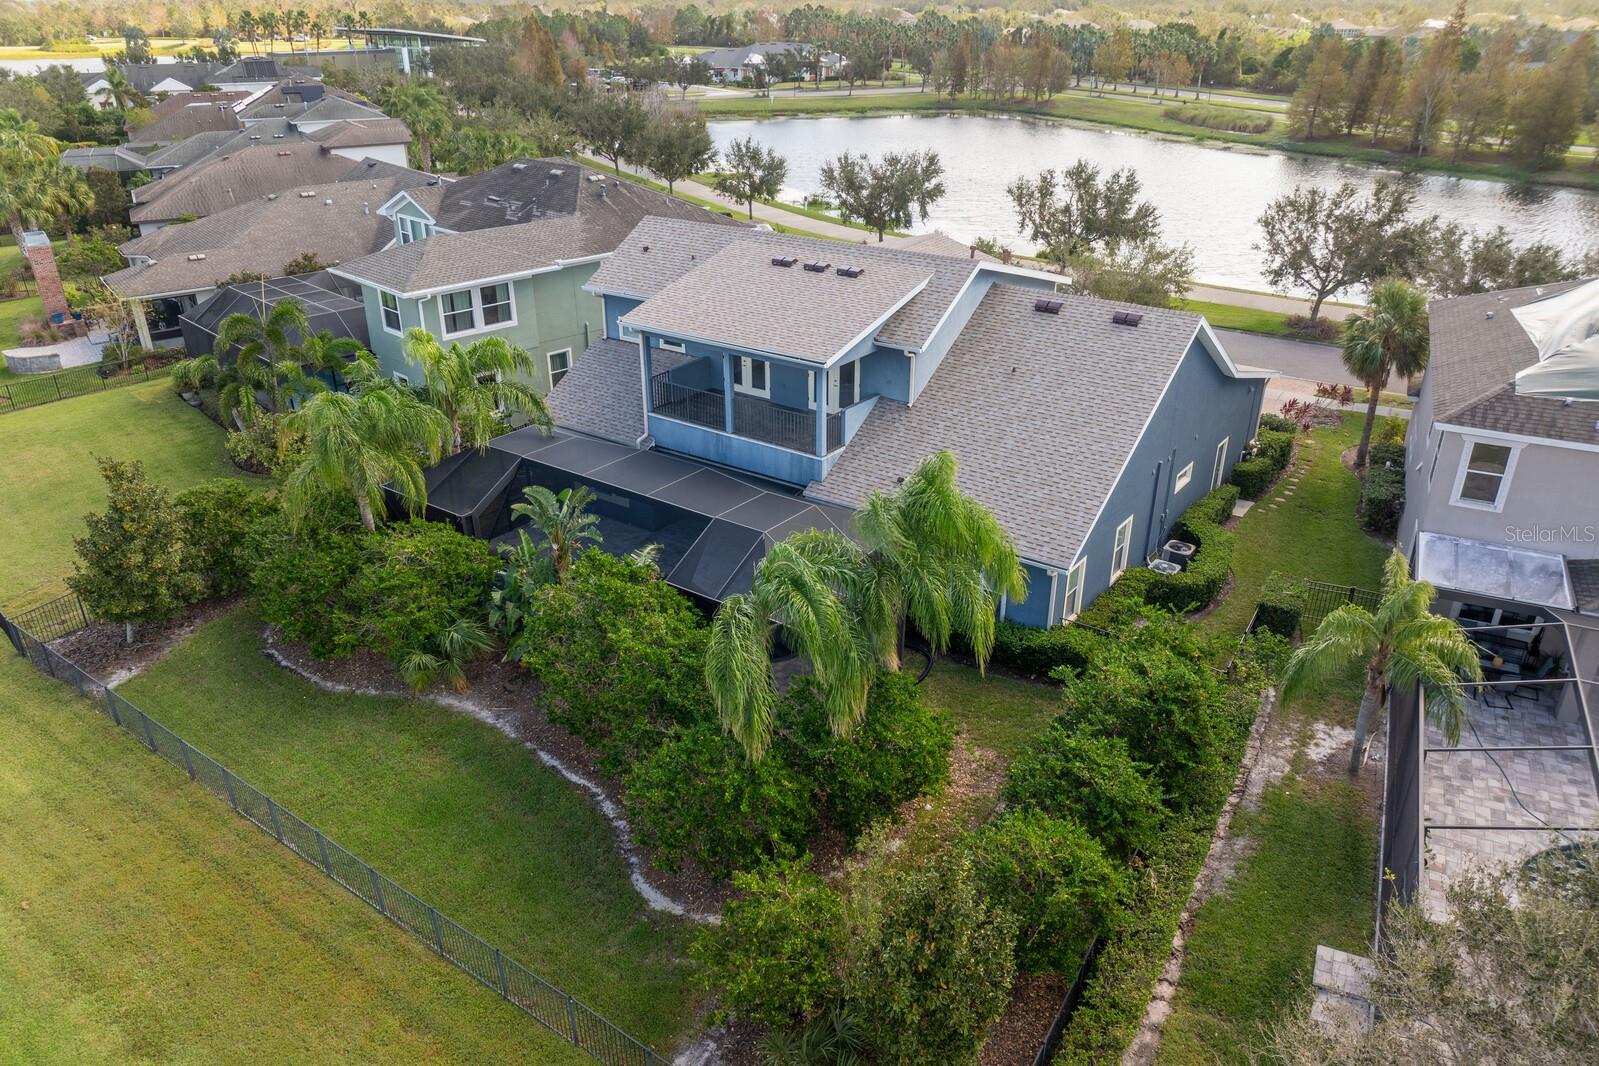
748	416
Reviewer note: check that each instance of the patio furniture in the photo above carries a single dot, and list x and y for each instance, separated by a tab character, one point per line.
1529	691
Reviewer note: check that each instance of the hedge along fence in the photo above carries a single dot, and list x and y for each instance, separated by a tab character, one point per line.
563	1014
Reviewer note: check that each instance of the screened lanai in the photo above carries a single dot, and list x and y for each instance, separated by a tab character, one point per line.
326	308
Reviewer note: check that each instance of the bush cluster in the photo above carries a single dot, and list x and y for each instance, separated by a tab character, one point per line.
217	518
1382	498
1278	424
1274	448
1220	118
340	588
1092	779
1281	605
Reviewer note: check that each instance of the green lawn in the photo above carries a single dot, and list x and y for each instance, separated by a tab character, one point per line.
1250	319
12	312
1311	533
141	922
1309	881
49	480
995	712
446	805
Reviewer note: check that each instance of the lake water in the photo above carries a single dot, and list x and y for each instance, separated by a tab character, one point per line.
1208	197
21	67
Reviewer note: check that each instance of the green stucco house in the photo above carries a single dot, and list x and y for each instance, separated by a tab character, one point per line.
506	253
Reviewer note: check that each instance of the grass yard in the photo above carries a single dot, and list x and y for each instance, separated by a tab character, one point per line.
49	479
12	312
1249	319
141	922
995	712
447	806
1308	881
1311	533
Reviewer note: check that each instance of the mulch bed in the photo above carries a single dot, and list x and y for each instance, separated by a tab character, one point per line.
509	696
1034	1001
101	649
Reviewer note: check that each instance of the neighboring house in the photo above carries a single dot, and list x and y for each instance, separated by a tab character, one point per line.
239	177
1503	446
197	113
309	105
117	159
251	74
1087	427
177	267
1345	29
385	139
743	62
504	253
411	45
330	305
1502	517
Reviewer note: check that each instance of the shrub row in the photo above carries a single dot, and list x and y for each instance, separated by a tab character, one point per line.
1202	581
1273	450
1232	120
1382	499
1281	605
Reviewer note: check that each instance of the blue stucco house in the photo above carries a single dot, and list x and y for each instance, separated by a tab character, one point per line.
828	371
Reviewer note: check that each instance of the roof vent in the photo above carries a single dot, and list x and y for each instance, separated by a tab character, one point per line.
518	166
306	194
282	154
1126	318
557	172
596	177
272	196
255	136
277	136
817	268
196	257
327	203
1047	305
851	272
783	260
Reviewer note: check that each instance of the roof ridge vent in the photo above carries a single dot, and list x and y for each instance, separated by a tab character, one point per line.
1127	318
306	194
817	267
1047	305
851	271
784	260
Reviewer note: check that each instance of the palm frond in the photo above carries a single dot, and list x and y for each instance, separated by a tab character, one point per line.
738	673
1346	636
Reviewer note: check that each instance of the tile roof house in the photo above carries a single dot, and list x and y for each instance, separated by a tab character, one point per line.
1507	423
233	178
1087	427
505	253
175	267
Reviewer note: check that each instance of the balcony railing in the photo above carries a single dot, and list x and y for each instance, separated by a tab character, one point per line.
753	417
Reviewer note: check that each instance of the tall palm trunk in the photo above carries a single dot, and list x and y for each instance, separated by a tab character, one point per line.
1373	395
1371	702
365	507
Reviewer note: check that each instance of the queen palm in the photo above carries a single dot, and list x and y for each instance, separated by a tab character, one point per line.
927	553
1390	338
1402	643
562	518
124	96
239	383
475	385
423	110
335	355
357	442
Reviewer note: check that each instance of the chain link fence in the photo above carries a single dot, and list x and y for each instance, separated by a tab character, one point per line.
563	1014
24	392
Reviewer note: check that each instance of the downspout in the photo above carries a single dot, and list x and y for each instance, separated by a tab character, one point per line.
644	392
910	386
1049	608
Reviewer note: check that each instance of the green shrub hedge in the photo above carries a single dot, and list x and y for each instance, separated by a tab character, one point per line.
1281	605
1382	499
1200	525
1278	423
217	518
1274	448
1386	453
1092	779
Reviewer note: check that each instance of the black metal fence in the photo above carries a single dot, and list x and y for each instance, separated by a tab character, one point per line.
24	392
1322	599
562	1014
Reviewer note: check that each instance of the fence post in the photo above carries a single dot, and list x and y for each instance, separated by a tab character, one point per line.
188	764
111	702
149	737
377	889
438	932
55	379
272	810
227	782
499	964
83	612
571	1017
322	847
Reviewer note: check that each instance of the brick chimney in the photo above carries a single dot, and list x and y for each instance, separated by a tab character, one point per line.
42	260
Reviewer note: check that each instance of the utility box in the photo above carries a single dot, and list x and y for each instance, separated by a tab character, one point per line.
1165	567
1178	551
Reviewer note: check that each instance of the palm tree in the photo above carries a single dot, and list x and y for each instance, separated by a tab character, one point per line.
335	355
475	385
239	384
447	655
34	186
1390	338
70	193
246	23
928	554
359	441
1403	643
423	110
270	21
123	94
563	519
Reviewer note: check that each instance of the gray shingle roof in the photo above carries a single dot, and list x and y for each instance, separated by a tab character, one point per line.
104	157
203	117
261	236
660	251
206	146
1474	359
238	177
739	297
146	76
594	220
361	134
1040	449
282	101
600	395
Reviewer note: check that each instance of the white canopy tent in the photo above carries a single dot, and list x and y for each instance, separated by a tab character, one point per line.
1566	330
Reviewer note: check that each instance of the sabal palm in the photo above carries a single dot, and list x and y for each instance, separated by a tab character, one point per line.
359	441
563	518
1389	338
1402	643
927	553
474	385
423	110
122	92
34	187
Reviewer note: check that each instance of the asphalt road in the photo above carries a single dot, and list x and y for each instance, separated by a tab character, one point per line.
1293	359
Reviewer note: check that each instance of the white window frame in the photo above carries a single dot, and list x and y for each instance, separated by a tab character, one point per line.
475	294
1219	474
626	332
1470	445
509	304
1072	601
410	229
1184	478
744	367
398	329
670	346
549	364
1121	551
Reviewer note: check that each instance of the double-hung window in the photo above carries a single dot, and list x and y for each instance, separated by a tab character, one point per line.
560	363
1484	477
495	303
1121	552
390	304
1074	591
459	314
751	376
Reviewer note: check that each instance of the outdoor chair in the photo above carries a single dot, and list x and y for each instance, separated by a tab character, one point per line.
1529	690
